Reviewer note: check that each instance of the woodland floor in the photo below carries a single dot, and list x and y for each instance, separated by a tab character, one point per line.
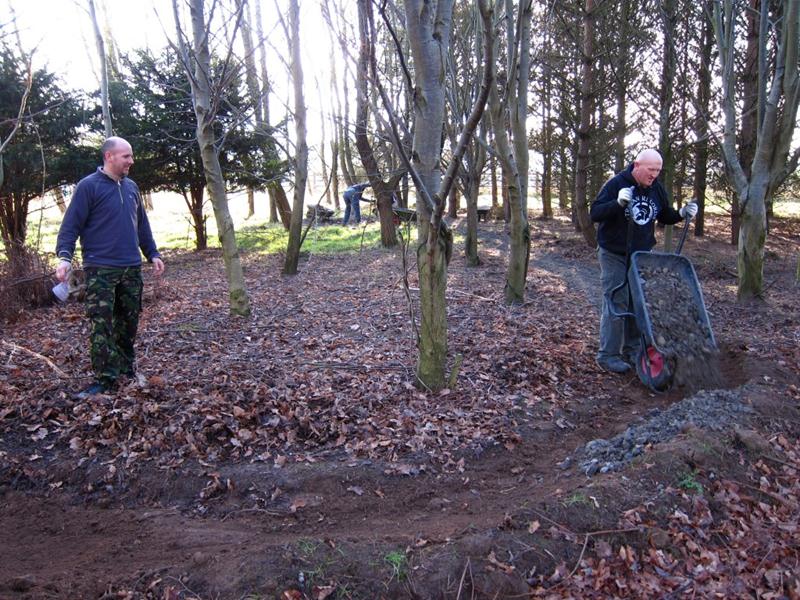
289	456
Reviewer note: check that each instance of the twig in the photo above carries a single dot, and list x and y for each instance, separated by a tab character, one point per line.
272	513
778	499
780	462
549	520
52	365
413	289
586	542
463	576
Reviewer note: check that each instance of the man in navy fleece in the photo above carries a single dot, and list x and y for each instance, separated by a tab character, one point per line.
107	214
633	194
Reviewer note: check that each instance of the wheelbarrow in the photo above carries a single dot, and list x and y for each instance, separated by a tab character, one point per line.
655	368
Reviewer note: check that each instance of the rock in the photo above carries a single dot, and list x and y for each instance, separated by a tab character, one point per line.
23	583
659	538
752	440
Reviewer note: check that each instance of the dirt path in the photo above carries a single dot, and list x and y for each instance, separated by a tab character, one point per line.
448	493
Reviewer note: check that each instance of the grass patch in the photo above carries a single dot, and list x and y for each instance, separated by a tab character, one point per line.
398	563
689	483
576	499
323	239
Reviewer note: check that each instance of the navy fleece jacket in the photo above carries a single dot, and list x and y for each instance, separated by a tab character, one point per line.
647	205
110	220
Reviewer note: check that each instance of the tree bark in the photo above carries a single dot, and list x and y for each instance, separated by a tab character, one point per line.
701	126
428	24
665	113
382	189
215	183
101	55
301	145
581	203
772	162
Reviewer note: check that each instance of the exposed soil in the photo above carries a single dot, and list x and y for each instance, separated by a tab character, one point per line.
289	456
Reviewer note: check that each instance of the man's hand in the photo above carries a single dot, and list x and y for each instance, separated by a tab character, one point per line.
63	269
158	266
624	196
690	210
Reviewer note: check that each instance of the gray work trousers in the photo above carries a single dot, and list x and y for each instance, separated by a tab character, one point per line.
618	337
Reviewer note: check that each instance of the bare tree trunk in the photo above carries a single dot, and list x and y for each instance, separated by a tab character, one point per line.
101	55
701	126
382	189
581	203
777	117
547	141
665	114
428	24
471	241
251	202
493	169
301	145
517	274
563	179
202	100
194	202
453	202
279	205
58	195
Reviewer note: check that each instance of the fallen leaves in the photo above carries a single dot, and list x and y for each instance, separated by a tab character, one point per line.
744	547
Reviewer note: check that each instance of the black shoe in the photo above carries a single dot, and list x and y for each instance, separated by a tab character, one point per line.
613	364
92	390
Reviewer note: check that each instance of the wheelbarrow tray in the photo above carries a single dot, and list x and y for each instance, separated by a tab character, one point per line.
675	263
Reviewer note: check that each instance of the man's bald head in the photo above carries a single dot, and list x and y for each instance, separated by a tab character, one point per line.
647	167
117	157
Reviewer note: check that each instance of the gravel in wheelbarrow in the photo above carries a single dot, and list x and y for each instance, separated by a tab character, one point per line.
672	316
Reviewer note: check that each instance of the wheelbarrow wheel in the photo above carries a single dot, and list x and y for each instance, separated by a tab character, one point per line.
653	369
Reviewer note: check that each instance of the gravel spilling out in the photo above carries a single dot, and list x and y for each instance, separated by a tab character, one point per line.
714	410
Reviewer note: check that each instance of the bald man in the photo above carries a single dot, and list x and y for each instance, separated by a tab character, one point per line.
636	194
107	214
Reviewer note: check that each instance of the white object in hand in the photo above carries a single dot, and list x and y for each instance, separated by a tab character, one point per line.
624	196
689	210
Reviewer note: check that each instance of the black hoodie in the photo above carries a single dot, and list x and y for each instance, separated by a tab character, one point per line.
647	205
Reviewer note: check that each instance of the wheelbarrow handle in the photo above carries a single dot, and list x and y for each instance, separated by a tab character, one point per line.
686	220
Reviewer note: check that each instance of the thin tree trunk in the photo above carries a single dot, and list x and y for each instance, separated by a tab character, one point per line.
301	145
101	55
279	205
428	26
495	196
471	240
215	183
453	202
58	195
666	95
382	190
701	127
251	202
581	204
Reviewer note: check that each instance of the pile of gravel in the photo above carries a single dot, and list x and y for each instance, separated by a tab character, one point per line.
714	410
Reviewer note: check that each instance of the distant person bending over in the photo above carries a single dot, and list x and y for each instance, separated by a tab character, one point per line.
107	214
633	193
352	199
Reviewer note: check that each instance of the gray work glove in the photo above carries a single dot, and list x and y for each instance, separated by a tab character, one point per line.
690	210
624	196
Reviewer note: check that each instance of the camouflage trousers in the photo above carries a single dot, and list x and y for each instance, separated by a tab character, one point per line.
113	304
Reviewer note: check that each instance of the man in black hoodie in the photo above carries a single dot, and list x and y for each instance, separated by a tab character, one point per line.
637	194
